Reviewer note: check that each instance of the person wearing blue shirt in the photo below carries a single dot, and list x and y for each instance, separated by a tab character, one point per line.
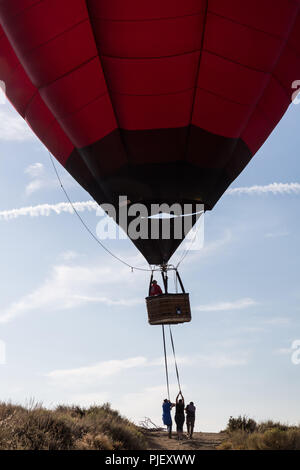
167	418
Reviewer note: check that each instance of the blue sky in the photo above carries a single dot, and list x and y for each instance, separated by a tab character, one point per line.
73	320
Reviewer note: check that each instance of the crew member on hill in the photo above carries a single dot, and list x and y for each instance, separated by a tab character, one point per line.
179	415
190	410
167	418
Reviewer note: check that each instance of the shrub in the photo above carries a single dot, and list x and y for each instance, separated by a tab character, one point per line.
275	439
241	423
267	425
66	427
246	434
95	442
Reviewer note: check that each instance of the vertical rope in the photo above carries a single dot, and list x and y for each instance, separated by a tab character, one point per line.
166	361
173	348
175	282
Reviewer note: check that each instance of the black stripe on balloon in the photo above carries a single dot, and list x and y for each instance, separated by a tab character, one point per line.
160	171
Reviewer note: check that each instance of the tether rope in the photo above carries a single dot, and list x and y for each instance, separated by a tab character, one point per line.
176	367
166	361
132	268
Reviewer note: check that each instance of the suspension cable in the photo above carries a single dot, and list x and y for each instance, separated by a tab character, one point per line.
88	228
189	247
176	367
132	268
104	247
97	239
166	361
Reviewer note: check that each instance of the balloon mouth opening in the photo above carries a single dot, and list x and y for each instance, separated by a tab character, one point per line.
168	215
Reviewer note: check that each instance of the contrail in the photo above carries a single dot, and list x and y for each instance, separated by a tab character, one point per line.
274	188
45	210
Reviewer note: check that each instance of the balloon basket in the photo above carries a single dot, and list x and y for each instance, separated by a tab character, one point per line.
168	309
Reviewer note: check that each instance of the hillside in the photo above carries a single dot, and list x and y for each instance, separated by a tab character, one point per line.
101	428
67	428
97	427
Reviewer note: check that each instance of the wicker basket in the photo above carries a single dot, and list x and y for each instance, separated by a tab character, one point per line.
168	309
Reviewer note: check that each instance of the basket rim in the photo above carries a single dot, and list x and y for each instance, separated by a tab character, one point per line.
160	296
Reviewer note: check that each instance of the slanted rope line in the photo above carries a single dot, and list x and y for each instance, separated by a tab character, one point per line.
176	367
151	270
87	227
166	361
189	247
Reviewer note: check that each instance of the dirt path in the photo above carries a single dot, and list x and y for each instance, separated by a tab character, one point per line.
158	440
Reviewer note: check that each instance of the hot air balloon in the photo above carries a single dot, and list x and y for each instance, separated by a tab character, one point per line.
162	101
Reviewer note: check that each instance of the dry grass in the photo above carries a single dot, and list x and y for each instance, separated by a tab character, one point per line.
268	435
65	428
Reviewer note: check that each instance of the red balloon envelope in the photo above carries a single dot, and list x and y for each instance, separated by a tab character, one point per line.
161	101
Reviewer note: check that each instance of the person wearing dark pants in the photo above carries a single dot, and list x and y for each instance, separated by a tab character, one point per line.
190	418
179	415
167	418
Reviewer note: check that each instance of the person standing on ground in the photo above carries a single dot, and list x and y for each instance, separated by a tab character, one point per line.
179	415
167	418
190	418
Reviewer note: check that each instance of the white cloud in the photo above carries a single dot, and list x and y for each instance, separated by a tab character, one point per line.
38	175
231	305
13	127
69	255
147	402
273	188
73	286
35	170
284	233
81	384
160	361
89	375
34	186
41	179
